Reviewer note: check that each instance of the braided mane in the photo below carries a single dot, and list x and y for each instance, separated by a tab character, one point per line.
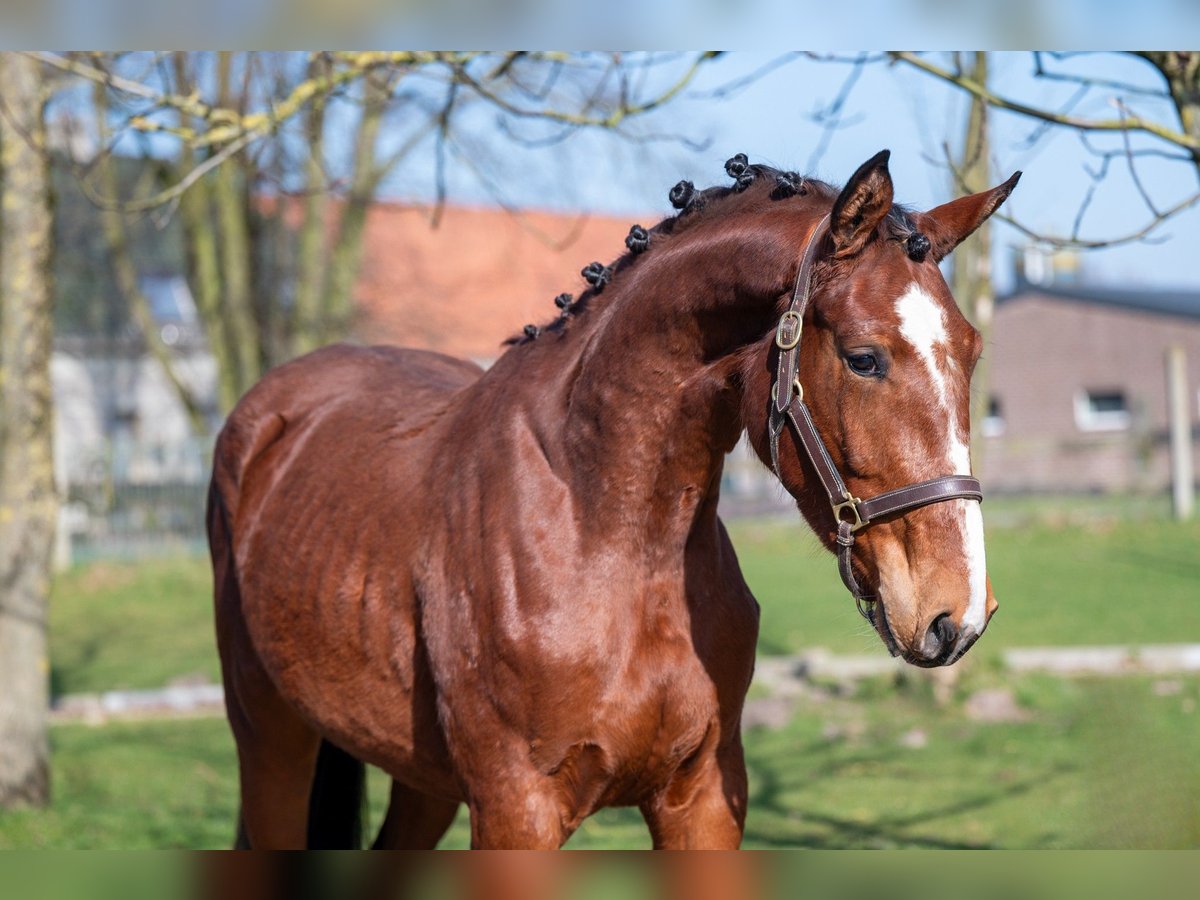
695	206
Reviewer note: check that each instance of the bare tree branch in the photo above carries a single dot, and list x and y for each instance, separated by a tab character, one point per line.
222	124
1089	81
735	87
1143	234
831	115
1171	136
613	118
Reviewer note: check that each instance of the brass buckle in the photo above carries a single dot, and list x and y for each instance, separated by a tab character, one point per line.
851	503
796	386
790	316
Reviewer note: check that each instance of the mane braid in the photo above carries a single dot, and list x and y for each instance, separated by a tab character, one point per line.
701	206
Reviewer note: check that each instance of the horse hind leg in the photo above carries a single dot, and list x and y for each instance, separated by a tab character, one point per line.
277	759
414	821
277	750
297	790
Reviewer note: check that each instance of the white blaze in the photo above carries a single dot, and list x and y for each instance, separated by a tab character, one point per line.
923	324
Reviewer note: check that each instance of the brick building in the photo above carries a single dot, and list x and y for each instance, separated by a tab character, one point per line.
1077	397
479	277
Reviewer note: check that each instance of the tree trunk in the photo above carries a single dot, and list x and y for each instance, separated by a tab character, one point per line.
236	252
346	254
1181	71
28	502
203	265
308	318
116	239
972	277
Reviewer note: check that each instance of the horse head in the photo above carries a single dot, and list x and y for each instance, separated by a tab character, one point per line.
884	372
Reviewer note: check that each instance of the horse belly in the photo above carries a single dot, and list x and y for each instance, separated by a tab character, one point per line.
348	658
335	627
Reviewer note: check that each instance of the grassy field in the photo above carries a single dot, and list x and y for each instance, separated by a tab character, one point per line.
1103	763
1100	580
1097	764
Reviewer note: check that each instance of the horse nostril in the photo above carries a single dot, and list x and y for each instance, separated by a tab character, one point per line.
946	628
939	639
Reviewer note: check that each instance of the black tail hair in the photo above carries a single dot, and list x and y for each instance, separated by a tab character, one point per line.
335	804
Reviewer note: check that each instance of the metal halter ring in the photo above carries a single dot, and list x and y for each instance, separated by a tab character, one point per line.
796	386
851	503
791	316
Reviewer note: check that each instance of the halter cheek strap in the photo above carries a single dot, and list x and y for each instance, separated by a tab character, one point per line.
788	408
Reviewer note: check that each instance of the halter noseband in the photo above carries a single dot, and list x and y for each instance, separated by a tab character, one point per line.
787	405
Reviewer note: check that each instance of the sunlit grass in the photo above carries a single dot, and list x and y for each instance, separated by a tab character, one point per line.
1103	763
1103	580
1095	764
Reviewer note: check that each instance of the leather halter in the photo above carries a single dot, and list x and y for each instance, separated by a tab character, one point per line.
787	406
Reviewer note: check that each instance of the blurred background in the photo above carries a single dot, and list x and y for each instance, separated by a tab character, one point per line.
176	223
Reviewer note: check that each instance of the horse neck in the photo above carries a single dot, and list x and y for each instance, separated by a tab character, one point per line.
655	399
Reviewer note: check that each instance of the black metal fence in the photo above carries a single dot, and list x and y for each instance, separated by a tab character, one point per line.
131	500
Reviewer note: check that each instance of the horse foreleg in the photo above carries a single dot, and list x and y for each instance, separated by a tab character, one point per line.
519	817
414	821
704	805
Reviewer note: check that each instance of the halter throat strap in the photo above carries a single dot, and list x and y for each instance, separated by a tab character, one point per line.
788	408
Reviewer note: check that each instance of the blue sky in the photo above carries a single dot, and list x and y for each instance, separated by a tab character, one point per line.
890	106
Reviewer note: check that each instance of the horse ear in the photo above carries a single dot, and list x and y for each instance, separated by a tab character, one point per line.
861	206
950	224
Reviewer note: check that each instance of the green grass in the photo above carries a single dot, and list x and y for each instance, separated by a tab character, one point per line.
1106	763
1106	581
1097	764
127	625
1073	573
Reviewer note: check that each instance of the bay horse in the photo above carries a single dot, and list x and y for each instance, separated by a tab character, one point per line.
511	588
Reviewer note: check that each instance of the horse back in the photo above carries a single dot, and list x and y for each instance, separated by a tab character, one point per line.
399	388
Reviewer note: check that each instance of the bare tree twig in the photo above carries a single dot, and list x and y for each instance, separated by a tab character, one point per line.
221	125
737	85
1042	128
1146	126
831	116
1144	234
838	58
165	196
1090	81
516	212
1086	139
1133	172
611	120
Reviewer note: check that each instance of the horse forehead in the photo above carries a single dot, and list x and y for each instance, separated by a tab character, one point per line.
922	319
928	326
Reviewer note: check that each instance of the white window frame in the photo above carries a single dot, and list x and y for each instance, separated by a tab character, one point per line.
1089	419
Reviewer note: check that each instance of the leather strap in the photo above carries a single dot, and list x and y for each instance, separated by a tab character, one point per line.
803	427
787	406
787	334
905	499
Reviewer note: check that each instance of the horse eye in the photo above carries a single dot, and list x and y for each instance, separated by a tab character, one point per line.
863	364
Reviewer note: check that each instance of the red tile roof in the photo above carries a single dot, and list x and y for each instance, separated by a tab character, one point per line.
478	278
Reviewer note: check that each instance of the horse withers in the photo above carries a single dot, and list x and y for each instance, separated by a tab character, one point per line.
511	588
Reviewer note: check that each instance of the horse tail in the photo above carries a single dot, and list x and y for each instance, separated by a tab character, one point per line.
336	800
240	442
243	439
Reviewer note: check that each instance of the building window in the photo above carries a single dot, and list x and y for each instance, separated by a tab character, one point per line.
1105	410
993	421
